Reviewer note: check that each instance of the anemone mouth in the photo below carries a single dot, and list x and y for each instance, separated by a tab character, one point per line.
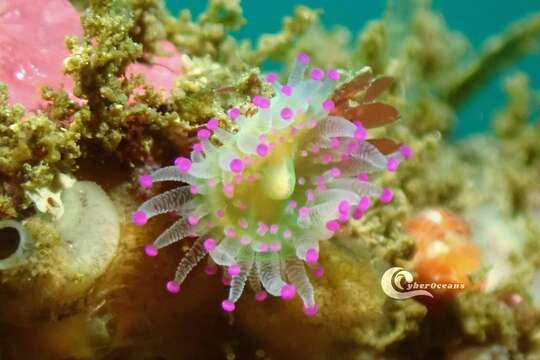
10	240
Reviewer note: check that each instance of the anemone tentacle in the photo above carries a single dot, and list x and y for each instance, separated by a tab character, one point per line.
260	197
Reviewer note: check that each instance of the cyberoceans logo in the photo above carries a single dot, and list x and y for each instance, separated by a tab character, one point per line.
397	283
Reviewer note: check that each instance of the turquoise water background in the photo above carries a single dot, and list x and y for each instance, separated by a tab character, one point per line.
477	19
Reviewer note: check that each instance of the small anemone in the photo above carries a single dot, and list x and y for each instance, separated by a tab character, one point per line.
259	199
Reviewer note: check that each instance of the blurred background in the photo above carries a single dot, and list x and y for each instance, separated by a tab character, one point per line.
476	19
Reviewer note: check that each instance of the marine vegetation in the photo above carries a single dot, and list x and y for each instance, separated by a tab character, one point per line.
286	178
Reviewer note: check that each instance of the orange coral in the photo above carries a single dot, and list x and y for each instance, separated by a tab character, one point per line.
445	252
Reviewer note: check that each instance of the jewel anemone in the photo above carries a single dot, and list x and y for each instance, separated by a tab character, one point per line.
259	198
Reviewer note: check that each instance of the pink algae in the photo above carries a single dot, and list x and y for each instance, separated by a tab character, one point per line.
33	51
163	69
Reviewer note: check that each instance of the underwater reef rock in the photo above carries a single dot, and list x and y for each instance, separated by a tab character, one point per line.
355	317
49	263
29	62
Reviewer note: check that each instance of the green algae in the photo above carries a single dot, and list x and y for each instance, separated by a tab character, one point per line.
32	150
501	50
486	320
208	36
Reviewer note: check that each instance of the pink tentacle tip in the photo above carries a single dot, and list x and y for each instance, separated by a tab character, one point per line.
364	204
310	310
228	190
212	124
209	244
360	133
204	134
303	58
312	256
233	113
333	226
150	250
198	147
333	74
262	150
344	207
228	306
392	164
334	143
262	228
406	151
288	292
230	232
261	102
183	163
303	212
318	272
264	247
139	218
310	195
386	195
173	287
261	295
321	183
286	90
328	105
316	74
335	172
271	77
357	214
362	176
245	240
234	270
286	113
145	181
192	220
236	166
343	218
275	247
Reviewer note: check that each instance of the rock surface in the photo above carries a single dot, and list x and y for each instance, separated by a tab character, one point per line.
33	51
